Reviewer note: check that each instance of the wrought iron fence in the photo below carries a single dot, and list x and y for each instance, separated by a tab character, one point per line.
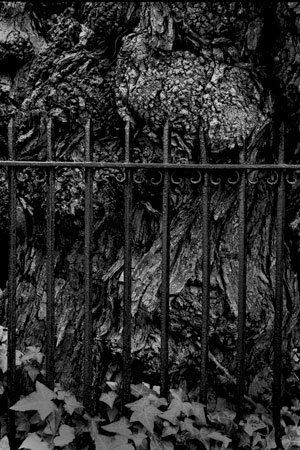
204	170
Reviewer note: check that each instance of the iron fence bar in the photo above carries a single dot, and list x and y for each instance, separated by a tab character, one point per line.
88	236
50	321
280	224
165	269
150	165
205	272
12	262
241	290
127	272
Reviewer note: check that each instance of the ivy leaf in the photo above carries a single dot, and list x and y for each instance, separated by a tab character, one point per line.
3	334
71	404
139	404
170	415
203	436
120	427
140	390
19	356
258	440
109	398
3	357
177	394
138	438
53	422
188	425
146	417
66	435
101	442
120	443
22	423
158	444
113	385
39	400
220	438
4	444
253	424
33	353
34	442
157	401
197	410
32	371
169	430
288	442
112	413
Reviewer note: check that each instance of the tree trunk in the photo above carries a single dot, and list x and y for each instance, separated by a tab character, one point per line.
230	69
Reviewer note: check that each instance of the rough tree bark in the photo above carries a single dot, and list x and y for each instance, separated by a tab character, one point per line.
231	67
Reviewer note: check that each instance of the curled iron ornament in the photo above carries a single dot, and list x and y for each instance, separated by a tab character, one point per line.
61	174
40	175
252	177
157	178
118	174
139	177
234	181
273	178
292	180
216	181
197	180
101	175
3	174
175	178
78	174
23	175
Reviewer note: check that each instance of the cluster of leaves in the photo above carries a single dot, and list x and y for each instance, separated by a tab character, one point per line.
48	420
30	361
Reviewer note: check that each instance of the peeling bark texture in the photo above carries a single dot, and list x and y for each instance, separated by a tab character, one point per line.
232	68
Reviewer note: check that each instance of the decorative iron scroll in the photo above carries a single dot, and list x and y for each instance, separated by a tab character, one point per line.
292	177
234	177
176	179
196	177
157	178
62	174
3	175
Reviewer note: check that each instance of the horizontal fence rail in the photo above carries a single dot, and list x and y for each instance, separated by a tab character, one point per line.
199	173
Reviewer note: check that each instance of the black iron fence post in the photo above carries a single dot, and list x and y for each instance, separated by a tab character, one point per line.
241	289
12	291
88	239
278	306
165	268
127	271
205	271
50	236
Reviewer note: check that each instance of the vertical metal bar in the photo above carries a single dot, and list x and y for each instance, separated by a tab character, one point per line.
88	235
11	380
127	272
50	370
164	355
241	289
280	224
206	272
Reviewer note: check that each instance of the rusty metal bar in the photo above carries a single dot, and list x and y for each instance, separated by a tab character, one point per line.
205	272
12	262
165	268
150	165
280	225
127	272
50	368
241	289
88	239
